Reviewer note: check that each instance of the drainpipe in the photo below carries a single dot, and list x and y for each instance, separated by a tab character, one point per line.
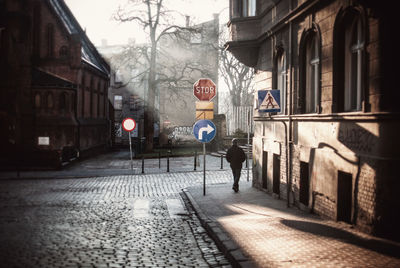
289	141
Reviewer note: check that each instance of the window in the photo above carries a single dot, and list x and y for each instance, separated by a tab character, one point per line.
248	8
354	45
195	38
64	52
118	76
134	102
348	61
280	76
117	102
310	72
37	100
50	101
50	40
36	29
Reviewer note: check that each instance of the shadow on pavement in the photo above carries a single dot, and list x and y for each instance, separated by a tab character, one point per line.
380	246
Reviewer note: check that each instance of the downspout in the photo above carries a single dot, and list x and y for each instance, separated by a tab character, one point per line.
289	135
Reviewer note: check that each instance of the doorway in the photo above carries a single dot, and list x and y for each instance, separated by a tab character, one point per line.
264	170
304	183
344	196
276	173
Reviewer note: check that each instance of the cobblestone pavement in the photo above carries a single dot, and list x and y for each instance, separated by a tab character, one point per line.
111	221
118	163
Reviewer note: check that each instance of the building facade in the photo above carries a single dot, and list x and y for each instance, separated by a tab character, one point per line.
332	149
54	86
128	88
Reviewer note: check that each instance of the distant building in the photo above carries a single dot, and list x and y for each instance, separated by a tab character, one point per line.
128	88
53	87
186	57
183	58
333	147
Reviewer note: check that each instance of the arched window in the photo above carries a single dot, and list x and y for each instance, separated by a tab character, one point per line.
280	76
50	100
349	46
36	29
50	40
91	96
98	99
310	72
354	45
38	101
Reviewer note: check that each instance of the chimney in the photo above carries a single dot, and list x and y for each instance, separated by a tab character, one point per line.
187	21
216	16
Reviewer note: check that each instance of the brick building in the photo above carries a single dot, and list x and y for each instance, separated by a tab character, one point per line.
53	86
332	149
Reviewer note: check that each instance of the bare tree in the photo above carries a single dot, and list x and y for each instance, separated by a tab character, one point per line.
157	21
237	76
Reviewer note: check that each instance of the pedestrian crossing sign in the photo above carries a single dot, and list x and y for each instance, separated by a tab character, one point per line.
269	101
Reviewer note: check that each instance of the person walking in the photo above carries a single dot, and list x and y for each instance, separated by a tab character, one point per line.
235	156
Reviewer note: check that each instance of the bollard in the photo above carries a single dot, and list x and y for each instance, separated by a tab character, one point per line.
195	160
142	164
222	161
168	160
159	160
247	160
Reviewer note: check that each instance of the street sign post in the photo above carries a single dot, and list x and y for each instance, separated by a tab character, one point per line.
204	89
204	131
129	125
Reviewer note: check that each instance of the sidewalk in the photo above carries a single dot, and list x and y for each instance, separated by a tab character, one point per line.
255	230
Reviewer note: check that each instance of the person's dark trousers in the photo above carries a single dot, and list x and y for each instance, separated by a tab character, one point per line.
236	177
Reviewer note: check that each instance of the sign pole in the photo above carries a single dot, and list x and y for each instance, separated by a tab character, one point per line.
128	124
248	144
130	148
204	168
204	131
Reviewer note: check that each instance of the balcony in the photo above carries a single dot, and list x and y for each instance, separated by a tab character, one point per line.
244	44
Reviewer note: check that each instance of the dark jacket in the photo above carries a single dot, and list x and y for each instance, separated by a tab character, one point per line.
235	156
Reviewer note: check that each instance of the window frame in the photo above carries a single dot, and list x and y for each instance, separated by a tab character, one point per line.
280	76
120	99
248	8
343	98
50	40
310	69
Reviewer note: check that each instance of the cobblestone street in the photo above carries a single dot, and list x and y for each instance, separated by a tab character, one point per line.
112	221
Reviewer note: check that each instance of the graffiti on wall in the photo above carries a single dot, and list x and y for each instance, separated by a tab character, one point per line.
180	132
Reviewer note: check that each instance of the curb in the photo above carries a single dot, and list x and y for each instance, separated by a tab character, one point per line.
224	242
95	175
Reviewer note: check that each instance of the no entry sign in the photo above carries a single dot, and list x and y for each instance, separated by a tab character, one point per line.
129	124
204	89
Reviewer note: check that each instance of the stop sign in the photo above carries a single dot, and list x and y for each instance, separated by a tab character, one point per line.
204	89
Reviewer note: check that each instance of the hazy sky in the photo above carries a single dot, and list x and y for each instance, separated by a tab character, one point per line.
96	17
